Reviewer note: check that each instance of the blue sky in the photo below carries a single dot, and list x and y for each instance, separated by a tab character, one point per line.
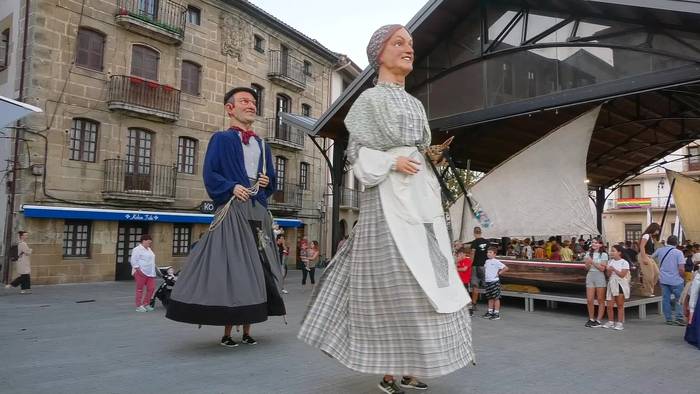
342	26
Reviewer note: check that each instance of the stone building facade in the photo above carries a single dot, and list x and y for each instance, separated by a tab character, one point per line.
132	91
642	199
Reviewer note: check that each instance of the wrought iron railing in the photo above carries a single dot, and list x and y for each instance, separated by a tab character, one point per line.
139	179
692	164
287	67
639	203
287	196
283	133
136	91
165	14
350	198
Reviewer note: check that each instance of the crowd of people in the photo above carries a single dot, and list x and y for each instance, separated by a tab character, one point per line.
610	272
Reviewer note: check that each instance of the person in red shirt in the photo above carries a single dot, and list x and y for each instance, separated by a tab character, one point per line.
464	268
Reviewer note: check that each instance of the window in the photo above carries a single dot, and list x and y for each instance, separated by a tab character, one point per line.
258	43
4	49
507	87
258	92
304	176
194	15
148	8
531	84
186	155
633	232
144	62
307	68
282	129
76	238
90	51
694	159
630	191
182	235
83	140
138	160
306	110
281	170
191	75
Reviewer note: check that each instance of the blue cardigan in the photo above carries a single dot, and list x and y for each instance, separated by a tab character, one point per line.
224	168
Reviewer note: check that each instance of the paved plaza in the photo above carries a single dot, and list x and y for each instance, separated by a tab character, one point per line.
86	338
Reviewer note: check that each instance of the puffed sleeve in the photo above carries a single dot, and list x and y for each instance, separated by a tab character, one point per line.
218	187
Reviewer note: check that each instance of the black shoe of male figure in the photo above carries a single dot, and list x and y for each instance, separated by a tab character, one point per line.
413	383
228	342
247	339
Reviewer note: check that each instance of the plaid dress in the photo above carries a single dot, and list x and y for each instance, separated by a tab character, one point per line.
370	313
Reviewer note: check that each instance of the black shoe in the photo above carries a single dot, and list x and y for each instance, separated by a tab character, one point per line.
679	322
588	323
248	339
495	316
487	315
413	383
389	387
228	342
471	312
595	324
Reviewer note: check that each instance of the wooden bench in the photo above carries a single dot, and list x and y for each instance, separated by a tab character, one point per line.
553	298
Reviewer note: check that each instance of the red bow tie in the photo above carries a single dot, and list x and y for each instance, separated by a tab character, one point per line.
245	134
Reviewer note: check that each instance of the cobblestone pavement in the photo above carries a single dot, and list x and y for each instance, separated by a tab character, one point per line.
86	338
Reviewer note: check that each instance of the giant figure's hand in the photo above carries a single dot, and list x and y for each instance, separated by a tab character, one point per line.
406	165
263	180
241	193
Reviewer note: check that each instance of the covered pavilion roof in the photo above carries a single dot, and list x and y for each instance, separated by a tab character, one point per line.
640	60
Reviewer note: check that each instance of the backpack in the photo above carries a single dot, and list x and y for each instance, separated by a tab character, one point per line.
14	253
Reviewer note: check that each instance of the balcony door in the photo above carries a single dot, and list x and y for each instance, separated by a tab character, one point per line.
281	172
137	175
128	236
282	130
148	8
284	60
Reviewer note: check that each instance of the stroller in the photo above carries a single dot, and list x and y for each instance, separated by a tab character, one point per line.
163	292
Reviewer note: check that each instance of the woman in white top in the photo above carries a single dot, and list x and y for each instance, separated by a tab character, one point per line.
143	268
596	263
618	288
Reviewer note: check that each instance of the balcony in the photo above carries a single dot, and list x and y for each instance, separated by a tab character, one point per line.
287	198
161	20
691	164
350	198
284	135
131	181
287	71
144	99
641	203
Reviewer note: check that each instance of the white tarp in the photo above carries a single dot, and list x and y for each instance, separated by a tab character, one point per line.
541	191
686	195
11	110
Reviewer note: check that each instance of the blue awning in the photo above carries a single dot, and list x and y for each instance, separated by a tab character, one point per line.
53	212
78	213
289	223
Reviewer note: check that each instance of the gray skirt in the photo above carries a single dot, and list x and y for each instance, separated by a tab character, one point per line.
232	276
369	312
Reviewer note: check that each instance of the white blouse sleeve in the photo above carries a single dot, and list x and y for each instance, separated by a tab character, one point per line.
373	166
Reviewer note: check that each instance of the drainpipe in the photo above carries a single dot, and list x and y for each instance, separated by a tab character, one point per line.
9	219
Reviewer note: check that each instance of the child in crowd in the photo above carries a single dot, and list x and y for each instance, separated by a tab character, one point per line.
493	269
618	287
464	268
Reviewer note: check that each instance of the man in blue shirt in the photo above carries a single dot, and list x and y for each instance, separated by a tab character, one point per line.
672	266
